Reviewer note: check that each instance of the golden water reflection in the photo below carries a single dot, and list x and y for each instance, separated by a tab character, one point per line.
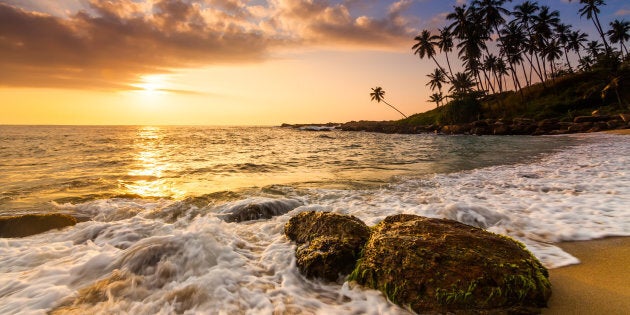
147	174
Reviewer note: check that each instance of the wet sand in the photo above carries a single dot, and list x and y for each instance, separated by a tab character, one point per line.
600	284
619	131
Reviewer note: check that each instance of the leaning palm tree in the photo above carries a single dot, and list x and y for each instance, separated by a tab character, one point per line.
563	34
619	33
591	10
378	95
425	46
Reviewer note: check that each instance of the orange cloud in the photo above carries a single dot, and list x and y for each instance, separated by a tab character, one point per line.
112	43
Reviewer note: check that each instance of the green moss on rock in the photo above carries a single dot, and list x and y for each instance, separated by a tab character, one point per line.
435	265
329	244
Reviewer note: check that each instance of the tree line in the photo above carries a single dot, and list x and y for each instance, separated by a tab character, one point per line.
530	39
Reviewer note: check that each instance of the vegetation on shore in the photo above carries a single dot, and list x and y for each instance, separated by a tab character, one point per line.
516	64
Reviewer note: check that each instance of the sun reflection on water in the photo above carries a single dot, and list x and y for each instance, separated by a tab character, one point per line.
147	175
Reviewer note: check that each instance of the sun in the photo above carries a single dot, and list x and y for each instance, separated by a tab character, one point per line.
151	84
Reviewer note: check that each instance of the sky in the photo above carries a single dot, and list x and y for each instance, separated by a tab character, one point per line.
222	62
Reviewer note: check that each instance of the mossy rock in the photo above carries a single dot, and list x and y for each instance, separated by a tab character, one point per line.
329	244
30	224
443	266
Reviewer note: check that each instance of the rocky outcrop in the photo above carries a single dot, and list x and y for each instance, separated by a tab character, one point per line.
441	265
329	244
517	126
427	265
31	224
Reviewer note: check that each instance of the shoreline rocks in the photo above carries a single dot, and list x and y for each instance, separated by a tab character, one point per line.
429	265
517	126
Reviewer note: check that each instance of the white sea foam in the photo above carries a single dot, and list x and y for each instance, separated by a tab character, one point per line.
142	262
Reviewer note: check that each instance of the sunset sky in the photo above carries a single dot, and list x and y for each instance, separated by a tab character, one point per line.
221	62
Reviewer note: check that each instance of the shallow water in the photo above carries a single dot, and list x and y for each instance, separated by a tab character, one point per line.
155	199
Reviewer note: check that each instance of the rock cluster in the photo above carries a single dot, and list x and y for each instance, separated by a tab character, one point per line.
517	126
430	265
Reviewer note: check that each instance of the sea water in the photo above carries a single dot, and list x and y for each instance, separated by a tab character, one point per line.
153	201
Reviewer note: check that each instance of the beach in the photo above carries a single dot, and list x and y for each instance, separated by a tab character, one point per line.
599	284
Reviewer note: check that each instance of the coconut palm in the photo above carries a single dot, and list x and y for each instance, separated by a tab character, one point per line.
576	41
436	98
591	10
378	95
524	17
462	84
552	52
437	78
594	48
512	48
445	43
619	33
563	33
425	46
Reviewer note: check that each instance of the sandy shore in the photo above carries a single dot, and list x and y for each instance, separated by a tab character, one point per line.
619	131
598	285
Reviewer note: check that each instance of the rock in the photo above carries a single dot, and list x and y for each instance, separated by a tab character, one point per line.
443	266
262	209
625	117
455	129
584	119
500	129
329	244
30	224
580	127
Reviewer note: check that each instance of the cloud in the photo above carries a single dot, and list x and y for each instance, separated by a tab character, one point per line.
114	45
111	44
622	12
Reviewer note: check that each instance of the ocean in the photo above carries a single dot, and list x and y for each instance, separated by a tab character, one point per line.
152	202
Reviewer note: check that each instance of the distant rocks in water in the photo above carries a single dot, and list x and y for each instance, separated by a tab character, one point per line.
427	265
262	208
329	244
31	224
312	127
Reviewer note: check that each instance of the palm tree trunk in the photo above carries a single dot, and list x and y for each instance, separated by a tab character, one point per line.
449	64
396	109
566	56
442	69
524	73
601	32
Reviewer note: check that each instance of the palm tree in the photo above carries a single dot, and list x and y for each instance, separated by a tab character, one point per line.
462	84
576	41
512	47
619	33
445	43
594	48
436	98
425	46
524	18
591	10
378	95
543	24
437	78
563	33
552	52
